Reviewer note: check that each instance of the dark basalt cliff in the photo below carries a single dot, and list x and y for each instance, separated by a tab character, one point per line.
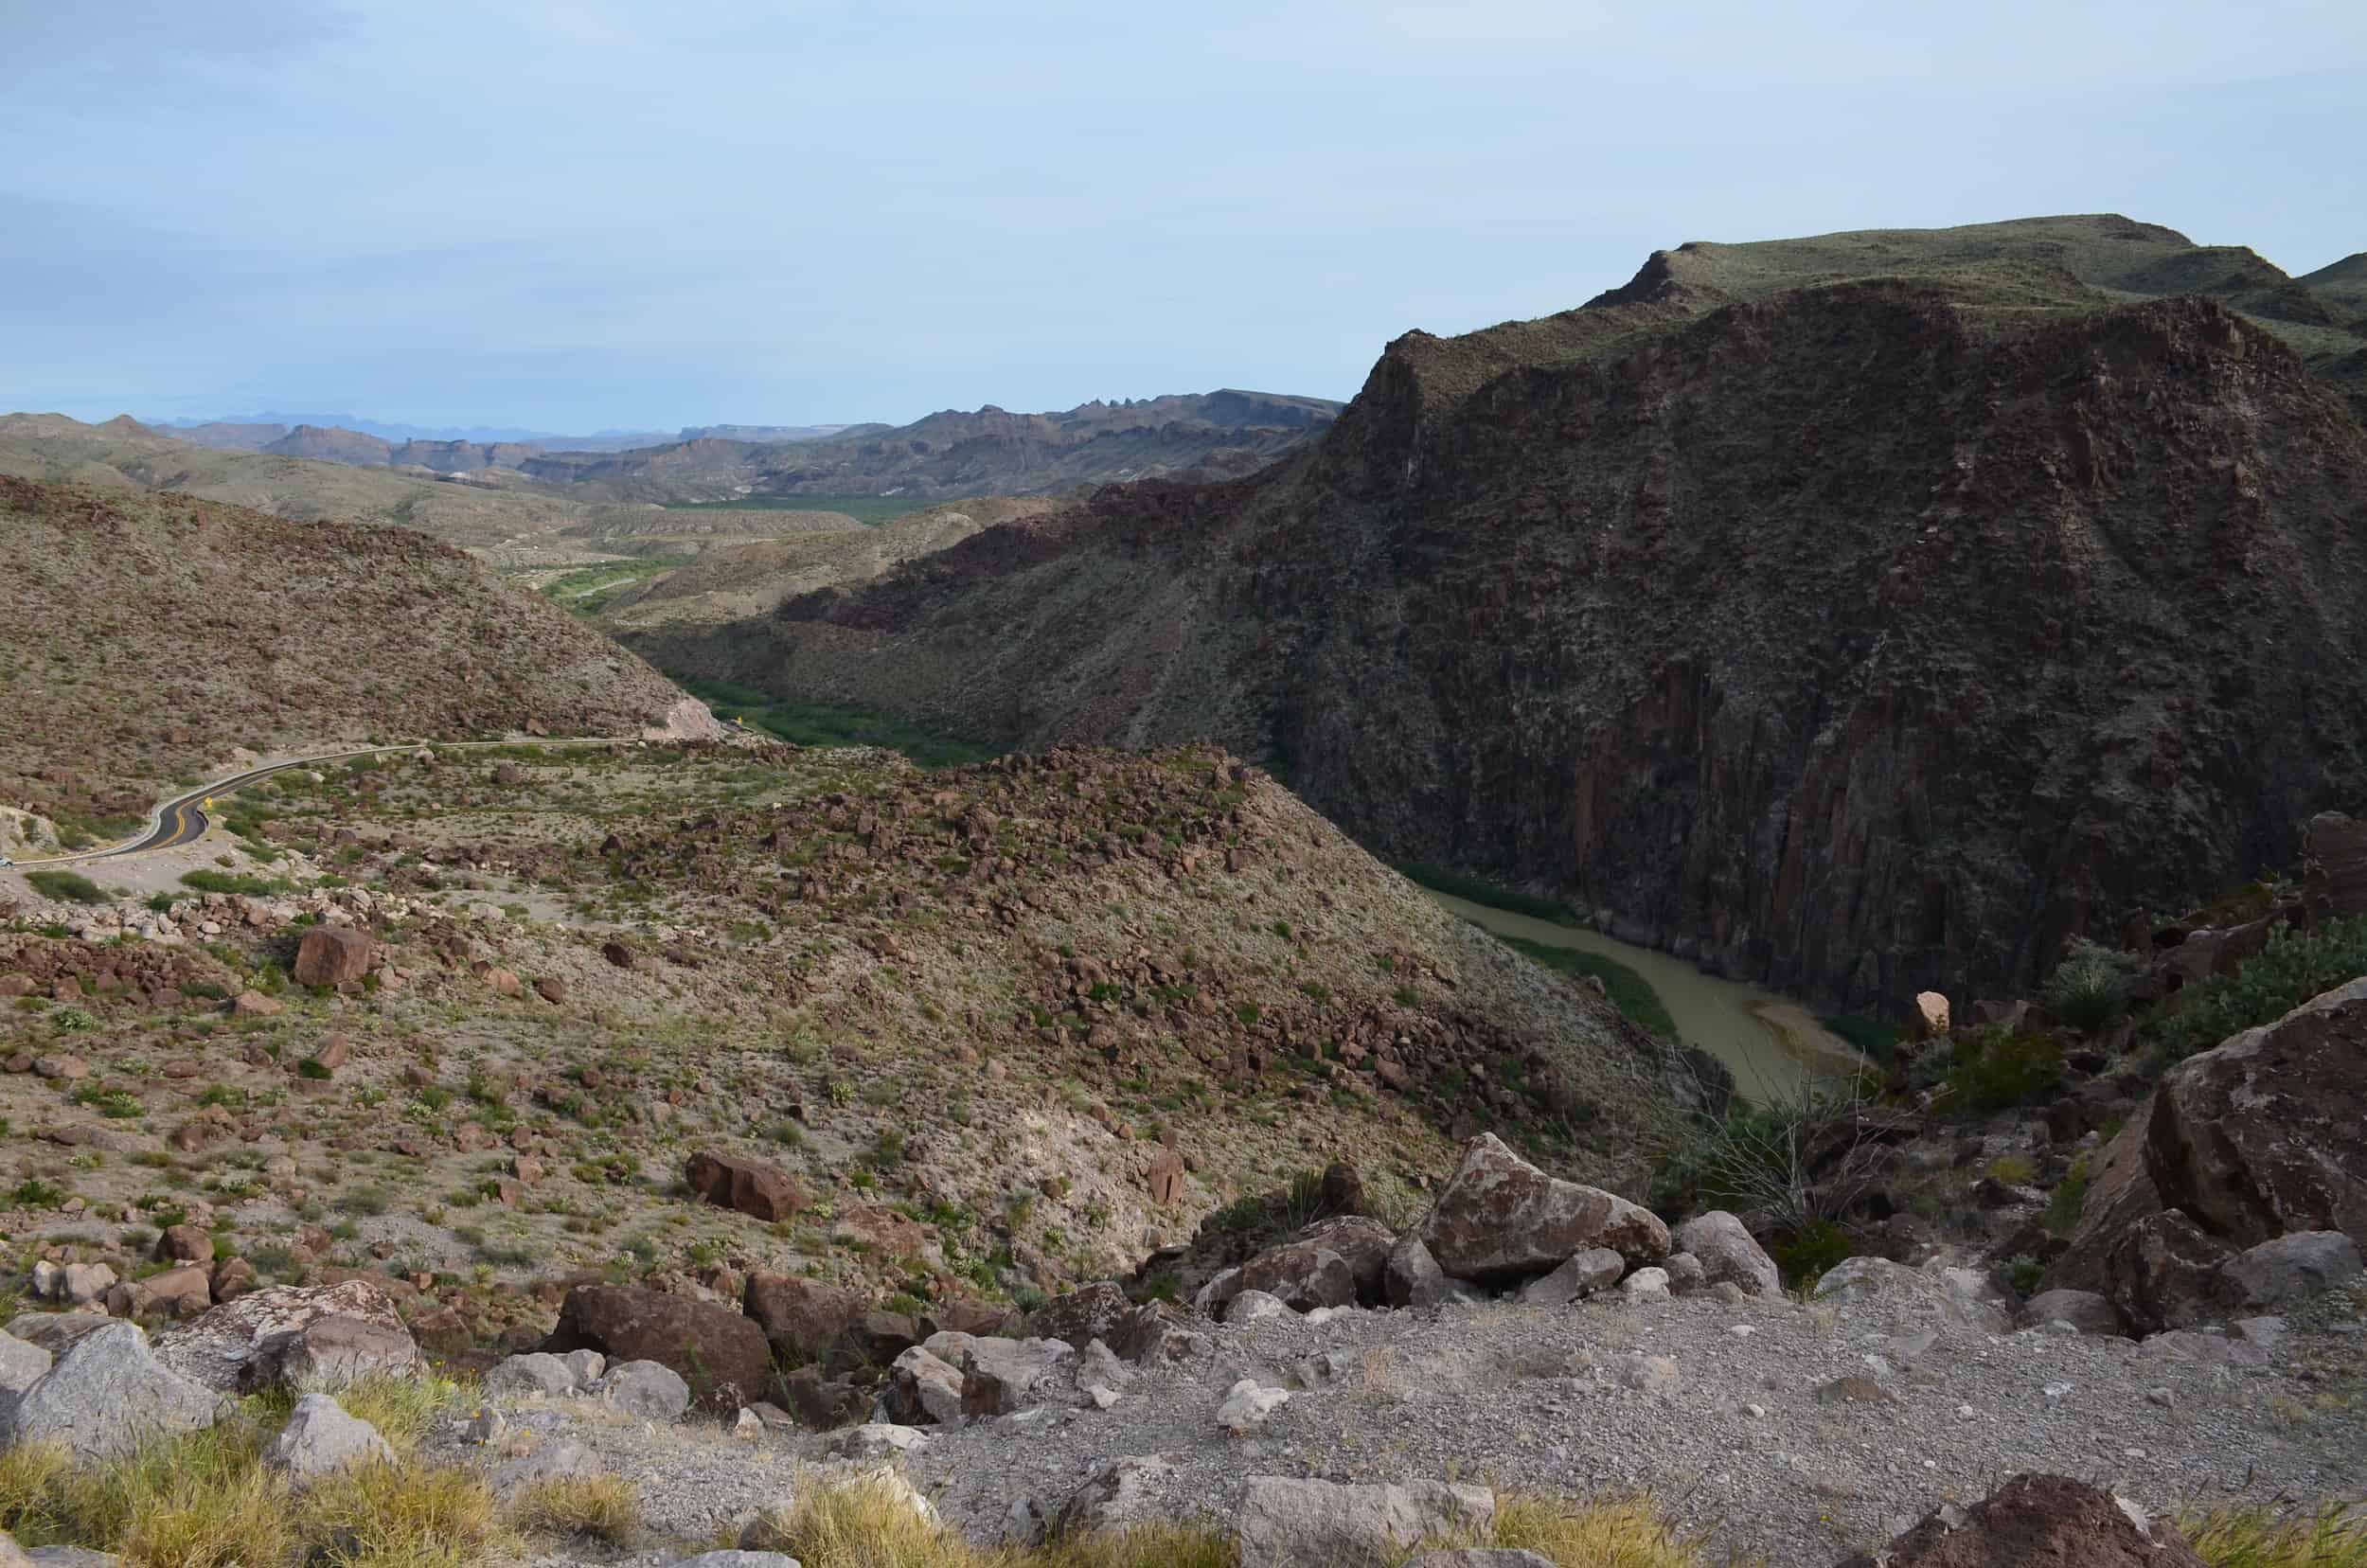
1859	637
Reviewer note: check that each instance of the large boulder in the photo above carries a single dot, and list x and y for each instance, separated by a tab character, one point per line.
294	1336
1301	1275
758	1190
2262	1137
1501	1219
333	955
719	1353
1729	1253
1364	1243
1082	1316
2267	1134
2291	1269
802	1318
1879	1290
924	1389
1411	1278
107	1395
2033	1520
1122	1493
1000	1375
22	1364
1290	1523
321	1439
644	1389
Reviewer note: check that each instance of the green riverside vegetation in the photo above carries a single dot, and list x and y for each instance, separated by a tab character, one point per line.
870	510
813	725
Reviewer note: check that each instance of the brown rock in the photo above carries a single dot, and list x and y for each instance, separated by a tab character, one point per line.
885	1232
1166	1178
619	955
233	1279
184	1244
801	1318
822	1403
2035	1520
15	985
503	981
2164	1273
334	1053
333	955
1083	1316
1931	1020
252	1004
720	1354
551	988
1500	1217
763	1191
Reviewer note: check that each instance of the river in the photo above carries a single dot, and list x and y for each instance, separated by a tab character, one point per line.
1771	1044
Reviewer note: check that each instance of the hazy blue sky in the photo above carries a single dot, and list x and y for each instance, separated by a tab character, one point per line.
606	214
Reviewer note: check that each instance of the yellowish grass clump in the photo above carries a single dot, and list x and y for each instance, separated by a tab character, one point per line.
584	1508
2334	1537
207	1499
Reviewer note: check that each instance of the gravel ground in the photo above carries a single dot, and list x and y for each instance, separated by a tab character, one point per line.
1539	1399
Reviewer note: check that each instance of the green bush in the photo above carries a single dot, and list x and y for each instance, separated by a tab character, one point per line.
1479	890
223	882
70	886
1813	1250
1995	1070
2089	988
2295	967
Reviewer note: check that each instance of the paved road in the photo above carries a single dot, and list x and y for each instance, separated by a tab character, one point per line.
183	819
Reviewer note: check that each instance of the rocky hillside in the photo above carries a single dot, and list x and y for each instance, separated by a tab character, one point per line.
733	581
952	454
152	636
123	454
1857	634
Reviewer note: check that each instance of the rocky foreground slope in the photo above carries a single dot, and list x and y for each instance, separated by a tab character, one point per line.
1856	633
156	637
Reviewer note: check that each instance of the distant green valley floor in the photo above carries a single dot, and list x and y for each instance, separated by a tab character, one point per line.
813	724
871	510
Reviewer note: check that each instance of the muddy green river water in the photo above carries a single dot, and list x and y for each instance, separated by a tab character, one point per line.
1771	1043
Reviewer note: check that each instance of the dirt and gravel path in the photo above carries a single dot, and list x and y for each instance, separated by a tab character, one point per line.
1753	1445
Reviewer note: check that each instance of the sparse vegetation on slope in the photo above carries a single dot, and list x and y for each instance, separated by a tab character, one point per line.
204	628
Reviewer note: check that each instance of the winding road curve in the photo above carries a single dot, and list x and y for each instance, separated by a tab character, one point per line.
183	819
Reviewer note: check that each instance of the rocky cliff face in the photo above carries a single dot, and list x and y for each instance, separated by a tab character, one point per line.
1862	637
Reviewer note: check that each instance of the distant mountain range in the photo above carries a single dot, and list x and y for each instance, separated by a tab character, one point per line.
948	455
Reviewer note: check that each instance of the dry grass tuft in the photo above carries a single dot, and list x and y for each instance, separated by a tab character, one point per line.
1160	1545
584	1507
2334	1537
193	1521
400	1516
868	1523
1627	1532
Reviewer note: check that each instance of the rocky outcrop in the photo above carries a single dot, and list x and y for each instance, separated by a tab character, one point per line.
1500	1217
291	1336
758	1190
106	1395
719	1353
801	1317
2037	1519
2207	1200
321	1439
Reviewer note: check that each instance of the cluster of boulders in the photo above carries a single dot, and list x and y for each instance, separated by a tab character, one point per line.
1500	1227
102	1387
2240	1186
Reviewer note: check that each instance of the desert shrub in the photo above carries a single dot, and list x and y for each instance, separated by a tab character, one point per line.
1994	1069
1147	1545
2295	967
1812	1250
69	886
2068	1197
1760	1154
399	1516
1479	890
2089	988
223	881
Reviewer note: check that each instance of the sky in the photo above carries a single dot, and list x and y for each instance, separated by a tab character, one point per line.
601	215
